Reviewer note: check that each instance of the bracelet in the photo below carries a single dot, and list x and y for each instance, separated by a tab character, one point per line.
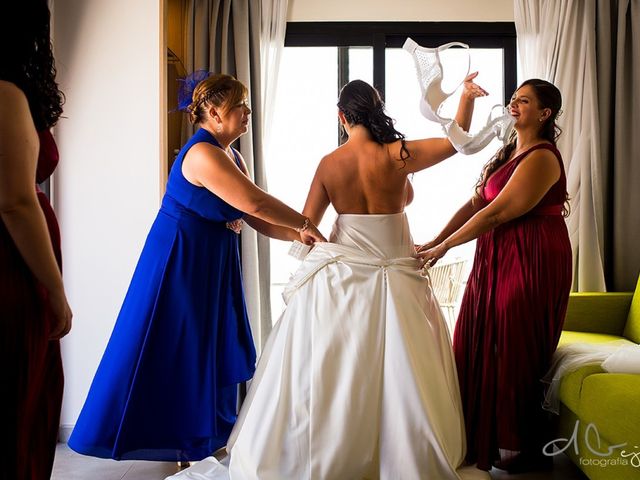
304	226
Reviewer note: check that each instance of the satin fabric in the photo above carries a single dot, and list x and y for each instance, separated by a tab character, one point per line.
357	379
166	386
510	322
430	73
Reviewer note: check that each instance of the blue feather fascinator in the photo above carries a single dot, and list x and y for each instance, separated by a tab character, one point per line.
188	85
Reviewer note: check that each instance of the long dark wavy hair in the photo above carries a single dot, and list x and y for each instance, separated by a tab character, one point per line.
27	58
547	96
361	104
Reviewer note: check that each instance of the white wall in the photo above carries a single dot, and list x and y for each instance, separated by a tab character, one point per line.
400	10
106	189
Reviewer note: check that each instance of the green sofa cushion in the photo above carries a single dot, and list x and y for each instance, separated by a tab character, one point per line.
611	401
571	386
632	328
568	337
598	312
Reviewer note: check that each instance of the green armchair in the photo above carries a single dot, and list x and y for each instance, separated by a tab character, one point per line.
599	423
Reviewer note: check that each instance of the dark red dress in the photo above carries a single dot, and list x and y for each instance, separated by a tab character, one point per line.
510	322
30	364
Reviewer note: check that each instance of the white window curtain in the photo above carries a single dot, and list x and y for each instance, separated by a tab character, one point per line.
244	38
271	23
272	33
556	41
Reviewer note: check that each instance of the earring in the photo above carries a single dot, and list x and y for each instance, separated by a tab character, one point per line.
541	119
219	128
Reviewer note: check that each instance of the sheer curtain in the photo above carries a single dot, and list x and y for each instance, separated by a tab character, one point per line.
244	38
556	40
272	32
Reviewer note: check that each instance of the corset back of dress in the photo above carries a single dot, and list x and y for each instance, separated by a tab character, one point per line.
379	235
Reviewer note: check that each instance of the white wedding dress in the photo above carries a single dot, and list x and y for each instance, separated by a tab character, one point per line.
357	380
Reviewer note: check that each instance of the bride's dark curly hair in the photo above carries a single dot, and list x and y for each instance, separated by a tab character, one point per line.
27	58
361	104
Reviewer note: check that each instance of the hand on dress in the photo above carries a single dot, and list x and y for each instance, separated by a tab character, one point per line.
311	234
235	225
424	246
471	89
430	254
61	315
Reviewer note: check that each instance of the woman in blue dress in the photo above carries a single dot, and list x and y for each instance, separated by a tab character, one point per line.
165	389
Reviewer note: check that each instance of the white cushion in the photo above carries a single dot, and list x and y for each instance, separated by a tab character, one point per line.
624	360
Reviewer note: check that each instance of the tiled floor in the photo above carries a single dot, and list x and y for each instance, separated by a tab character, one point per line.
563	469
72	466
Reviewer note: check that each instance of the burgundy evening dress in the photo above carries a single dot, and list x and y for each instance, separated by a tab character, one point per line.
510	321
30	364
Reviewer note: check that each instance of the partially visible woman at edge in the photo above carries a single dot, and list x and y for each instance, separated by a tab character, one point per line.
34	313
165	389
514	304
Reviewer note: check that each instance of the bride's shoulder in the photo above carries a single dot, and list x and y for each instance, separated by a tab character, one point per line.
396	148
334	158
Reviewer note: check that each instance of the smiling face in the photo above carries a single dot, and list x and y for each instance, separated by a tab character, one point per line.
526	108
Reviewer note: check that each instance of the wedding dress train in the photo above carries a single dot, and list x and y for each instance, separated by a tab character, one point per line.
357	379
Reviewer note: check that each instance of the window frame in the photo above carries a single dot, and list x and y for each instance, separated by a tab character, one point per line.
383	35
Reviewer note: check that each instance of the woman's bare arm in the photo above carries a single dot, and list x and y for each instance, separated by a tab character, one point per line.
19	207
430	151
531	180
464	213
211	168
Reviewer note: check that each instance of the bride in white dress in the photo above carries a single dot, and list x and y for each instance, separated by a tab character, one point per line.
357	380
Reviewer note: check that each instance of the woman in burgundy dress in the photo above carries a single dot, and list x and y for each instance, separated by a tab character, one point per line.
516	297
34	313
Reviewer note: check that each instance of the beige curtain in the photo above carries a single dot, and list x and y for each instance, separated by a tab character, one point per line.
556	41
231	36
591	50
618	70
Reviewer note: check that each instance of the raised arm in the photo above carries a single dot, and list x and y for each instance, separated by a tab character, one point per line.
430	151
531	180
19	207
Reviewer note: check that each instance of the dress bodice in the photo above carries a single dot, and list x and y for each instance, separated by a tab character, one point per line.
47	157
183	197
553	200
379	235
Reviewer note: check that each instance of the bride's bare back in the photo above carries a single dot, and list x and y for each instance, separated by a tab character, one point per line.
368	174
364	177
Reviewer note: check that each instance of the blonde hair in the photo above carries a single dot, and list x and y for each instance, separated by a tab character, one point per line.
220	90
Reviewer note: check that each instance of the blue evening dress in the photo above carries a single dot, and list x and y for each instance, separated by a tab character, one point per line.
166	388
